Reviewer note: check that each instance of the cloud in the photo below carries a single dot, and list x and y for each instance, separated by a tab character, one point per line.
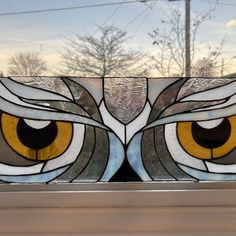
18	39
231	23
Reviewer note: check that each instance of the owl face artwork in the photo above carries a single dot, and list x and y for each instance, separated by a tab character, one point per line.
82	130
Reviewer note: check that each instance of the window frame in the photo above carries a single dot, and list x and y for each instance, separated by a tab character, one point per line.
119	208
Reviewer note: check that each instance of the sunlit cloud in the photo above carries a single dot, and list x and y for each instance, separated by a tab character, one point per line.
18	39
231	23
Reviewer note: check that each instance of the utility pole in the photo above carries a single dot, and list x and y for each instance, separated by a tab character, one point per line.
187	37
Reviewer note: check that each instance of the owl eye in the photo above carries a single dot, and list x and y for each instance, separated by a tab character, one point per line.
208	139
36	140
53	136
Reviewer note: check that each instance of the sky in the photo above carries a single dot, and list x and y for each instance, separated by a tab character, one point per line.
46	32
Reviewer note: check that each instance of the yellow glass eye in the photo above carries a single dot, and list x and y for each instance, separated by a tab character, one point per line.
208	142
36	140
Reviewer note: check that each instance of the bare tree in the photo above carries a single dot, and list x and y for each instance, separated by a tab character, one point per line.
205	68
169	40
27	64
210	64
102	55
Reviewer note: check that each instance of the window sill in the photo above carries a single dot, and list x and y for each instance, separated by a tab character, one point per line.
119	208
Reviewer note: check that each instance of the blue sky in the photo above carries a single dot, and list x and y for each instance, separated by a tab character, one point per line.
44	32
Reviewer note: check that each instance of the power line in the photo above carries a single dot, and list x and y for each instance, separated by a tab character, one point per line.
136	17
143	20
218	3
114	12
146	10
145	17
71	8
110	16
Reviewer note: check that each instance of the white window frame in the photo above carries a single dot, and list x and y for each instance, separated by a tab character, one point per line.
119	209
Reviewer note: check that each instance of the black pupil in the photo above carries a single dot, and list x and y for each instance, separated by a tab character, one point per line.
211	138
36	138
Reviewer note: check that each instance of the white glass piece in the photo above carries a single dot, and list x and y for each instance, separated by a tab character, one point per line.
218	168
37	124
177	152
138	123
196	116
156	86
17	170
32	113
71	153
231	101
210	124
205	176
27	92
112	123
7	95
34	178
116	157
48	83
213	94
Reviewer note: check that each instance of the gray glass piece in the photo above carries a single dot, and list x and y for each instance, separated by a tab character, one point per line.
93	85
188	106
151	159
165	99
228	159
84	99
125	98
165	157
156	85
9	157
97	164
61	106
82	160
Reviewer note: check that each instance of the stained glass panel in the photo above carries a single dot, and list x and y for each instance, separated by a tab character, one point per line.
82	130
